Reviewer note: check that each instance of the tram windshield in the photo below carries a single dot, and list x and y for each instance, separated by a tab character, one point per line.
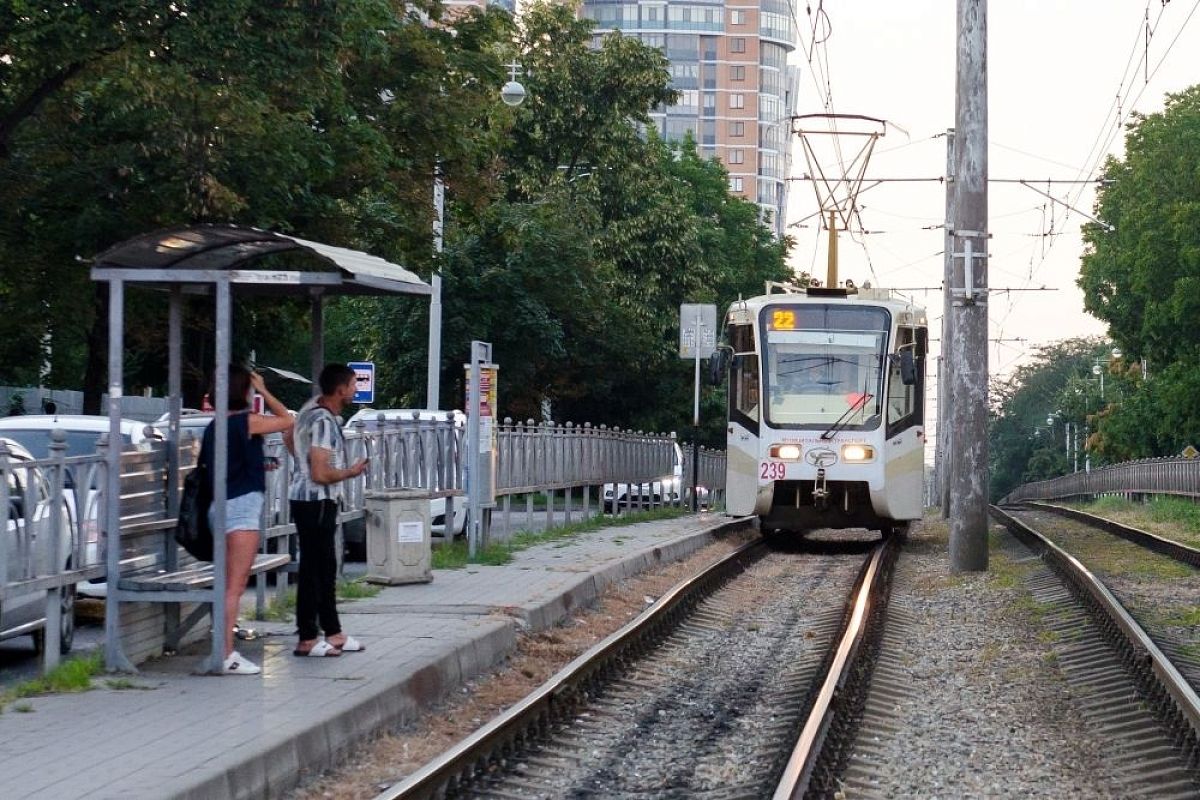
822	362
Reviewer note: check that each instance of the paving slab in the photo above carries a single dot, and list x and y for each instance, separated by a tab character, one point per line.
193	737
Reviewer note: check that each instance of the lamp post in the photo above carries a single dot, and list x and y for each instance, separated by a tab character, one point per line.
1099	370
511	94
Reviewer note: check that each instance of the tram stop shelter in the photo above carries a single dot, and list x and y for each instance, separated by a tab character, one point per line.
216	260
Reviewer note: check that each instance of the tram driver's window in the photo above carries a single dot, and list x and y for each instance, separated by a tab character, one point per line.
745	381
901	398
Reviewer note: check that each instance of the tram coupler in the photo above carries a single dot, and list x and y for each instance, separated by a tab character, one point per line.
820	492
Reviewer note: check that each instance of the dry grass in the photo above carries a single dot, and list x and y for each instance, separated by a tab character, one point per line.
389	758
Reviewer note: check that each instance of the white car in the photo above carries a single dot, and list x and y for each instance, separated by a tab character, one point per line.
83	432
369	417
27	521
665	490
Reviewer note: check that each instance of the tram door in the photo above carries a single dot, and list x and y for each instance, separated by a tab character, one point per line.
745	412
904	448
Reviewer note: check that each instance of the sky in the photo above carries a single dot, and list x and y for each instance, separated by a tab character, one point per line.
1055	70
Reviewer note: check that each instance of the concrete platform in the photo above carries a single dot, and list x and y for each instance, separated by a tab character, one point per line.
186	736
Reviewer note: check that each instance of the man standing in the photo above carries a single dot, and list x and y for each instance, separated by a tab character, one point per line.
320	448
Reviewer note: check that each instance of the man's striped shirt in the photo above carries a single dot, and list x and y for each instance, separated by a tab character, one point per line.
316	426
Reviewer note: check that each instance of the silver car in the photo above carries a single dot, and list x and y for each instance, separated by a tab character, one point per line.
30	517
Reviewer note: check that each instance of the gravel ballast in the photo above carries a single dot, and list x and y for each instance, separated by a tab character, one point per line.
980	708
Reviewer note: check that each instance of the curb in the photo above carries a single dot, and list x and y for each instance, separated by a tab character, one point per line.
281	767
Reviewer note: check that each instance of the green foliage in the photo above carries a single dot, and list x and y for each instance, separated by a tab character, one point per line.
1142	274
572	231
576	273
1021	446
72	675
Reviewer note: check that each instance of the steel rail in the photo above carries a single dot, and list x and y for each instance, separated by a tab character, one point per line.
1171	696
1158	544
798	772
541	708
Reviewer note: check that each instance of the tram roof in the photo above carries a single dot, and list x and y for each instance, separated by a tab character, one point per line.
865	296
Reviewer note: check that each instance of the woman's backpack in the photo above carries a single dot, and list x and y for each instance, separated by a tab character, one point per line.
192	532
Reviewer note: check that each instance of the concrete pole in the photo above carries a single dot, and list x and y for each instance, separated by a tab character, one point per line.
968	366
944	451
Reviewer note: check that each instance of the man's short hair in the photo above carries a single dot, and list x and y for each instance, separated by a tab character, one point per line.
333	377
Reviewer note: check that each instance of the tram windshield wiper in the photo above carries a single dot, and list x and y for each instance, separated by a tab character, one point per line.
841	422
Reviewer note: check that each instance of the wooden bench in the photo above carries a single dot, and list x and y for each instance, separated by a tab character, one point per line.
155	573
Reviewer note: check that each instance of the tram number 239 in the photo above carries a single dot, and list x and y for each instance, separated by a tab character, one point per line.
772	471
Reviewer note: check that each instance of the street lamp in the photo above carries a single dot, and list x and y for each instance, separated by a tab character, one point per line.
1099	370
512	94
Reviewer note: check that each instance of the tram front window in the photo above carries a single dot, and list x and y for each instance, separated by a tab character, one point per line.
816	376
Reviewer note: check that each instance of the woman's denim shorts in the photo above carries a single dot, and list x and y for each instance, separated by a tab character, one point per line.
242	513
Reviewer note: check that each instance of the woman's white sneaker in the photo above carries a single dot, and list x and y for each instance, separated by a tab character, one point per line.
236	664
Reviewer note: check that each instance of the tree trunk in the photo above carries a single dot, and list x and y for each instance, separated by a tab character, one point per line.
96	372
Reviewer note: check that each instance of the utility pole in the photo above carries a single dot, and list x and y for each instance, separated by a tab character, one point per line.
968	364
942	455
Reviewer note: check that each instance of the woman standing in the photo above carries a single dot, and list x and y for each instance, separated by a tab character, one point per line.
246	483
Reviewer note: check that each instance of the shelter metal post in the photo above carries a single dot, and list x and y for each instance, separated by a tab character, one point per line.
220	471
175	408
114	655
318	340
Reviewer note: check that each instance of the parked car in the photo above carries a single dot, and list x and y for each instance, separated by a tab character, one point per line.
83	433
668	489
28	521
355	533
191	421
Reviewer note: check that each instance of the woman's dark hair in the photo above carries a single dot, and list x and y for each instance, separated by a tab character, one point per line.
239	388
334	376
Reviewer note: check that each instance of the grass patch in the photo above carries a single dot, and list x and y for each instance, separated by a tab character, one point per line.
1188	617
281	610
1109	504
1174	518
356	590
124	684
353	589
72	675
23	708
453	555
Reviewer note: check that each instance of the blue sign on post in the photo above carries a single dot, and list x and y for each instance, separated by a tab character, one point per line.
364	381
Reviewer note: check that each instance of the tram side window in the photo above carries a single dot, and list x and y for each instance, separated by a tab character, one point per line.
745	383
903	406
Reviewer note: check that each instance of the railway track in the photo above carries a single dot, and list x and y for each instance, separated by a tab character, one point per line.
701	696
1132	692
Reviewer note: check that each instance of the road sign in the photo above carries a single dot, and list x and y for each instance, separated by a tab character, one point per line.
364	381
691	315
1190	452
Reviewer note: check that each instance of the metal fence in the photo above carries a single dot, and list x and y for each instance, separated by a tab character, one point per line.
1151	476
57	505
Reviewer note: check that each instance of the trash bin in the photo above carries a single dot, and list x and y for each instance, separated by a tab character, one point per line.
398	545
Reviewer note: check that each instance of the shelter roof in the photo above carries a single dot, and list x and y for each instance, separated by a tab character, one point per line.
200	254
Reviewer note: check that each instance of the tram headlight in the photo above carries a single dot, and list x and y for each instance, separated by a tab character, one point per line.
857	453
785	452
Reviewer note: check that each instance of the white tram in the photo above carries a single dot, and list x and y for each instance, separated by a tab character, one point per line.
826	409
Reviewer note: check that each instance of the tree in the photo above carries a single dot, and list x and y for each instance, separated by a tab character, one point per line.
1021	446
327	124
575	273
1141	269
1141	274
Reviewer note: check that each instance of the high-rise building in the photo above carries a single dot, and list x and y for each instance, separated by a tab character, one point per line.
737	92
